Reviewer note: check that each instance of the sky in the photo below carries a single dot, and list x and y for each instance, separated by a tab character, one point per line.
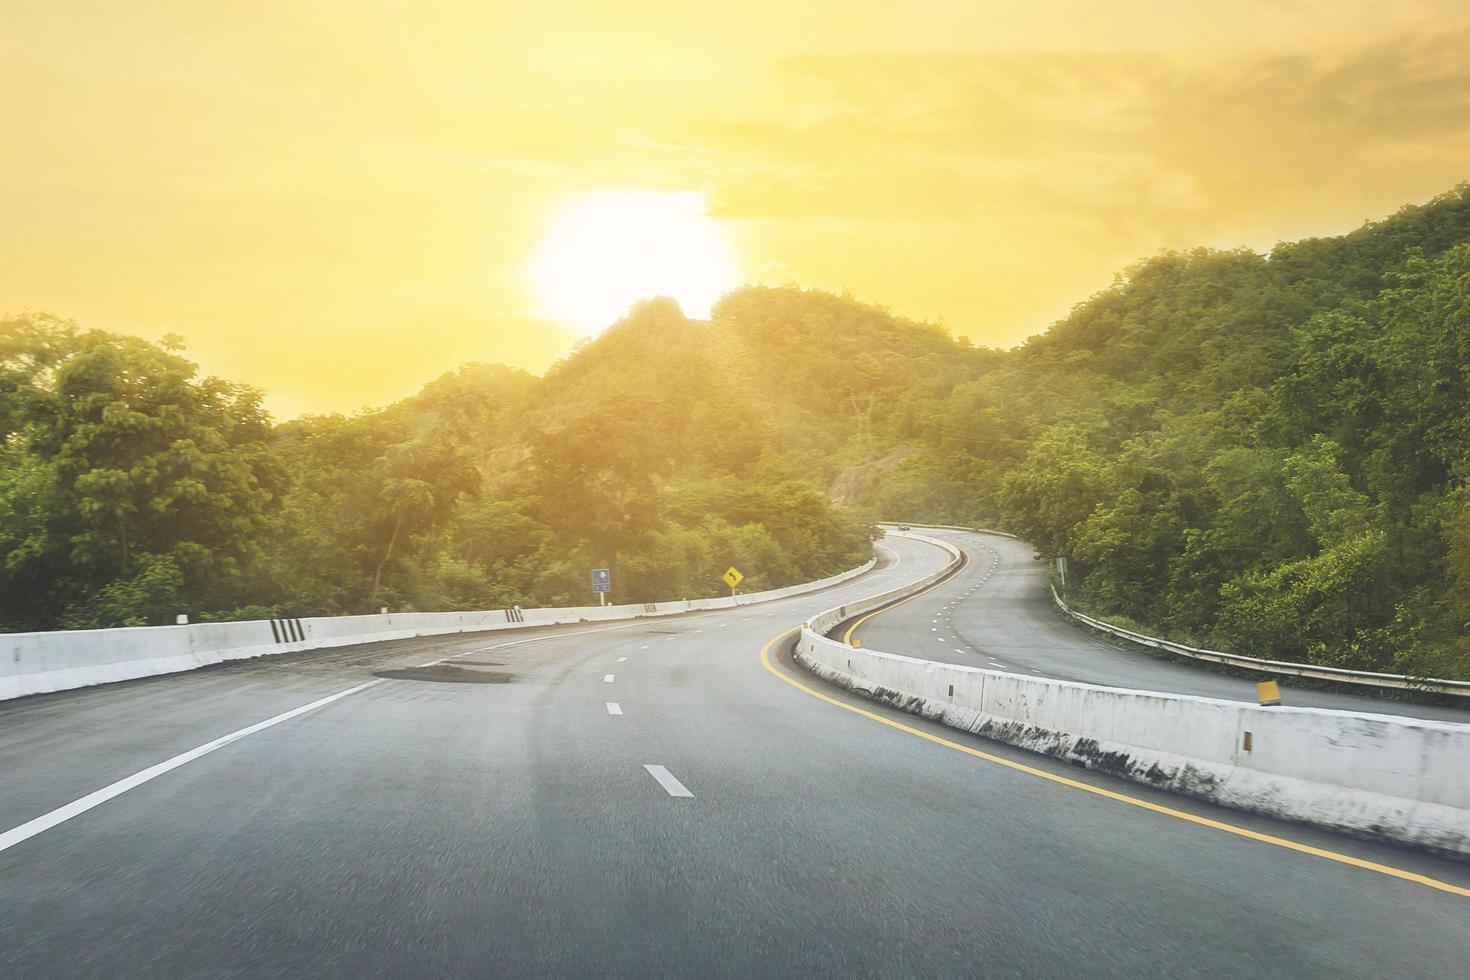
339	201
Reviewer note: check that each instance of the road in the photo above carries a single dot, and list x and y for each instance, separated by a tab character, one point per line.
422	825
997	613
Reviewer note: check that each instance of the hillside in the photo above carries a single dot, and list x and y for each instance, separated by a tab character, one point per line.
1267	452
132	490
1264	452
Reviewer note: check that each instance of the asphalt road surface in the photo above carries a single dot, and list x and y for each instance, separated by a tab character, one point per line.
639	799
997	613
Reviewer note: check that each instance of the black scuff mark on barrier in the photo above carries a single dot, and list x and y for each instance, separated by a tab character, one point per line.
1195	782
1156	775
904	702
1187	780
1087	752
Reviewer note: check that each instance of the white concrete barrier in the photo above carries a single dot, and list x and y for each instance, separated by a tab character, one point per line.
1377	776
59	660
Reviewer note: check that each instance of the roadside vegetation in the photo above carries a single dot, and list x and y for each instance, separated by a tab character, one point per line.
1267	453
132	489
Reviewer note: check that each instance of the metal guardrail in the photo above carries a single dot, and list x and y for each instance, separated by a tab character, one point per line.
1361	678
1282	668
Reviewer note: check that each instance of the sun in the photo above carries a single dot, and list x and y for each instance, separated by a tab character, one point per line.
608	250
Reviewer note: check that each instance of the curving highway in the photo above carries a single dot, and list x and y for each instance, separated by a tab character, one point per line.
664	797
997	613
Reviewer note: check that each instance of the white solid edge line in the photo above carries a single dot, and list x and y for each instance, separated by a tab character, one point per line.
666	779
613	708
62	814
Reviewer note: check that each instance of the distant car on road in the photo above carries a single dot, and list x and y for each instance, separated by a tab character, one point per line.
903	527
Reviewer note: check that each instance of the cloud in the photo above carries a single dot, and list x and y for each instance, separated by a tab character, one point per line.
1310	131
1143	139
995	189
282	176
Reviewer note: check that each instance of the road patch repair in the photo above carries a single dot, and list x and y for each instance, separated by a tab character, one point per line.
446	674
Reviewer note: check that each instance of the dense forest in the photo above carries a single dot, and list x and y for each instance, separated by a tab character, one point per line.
131	489
1266	453
1263	452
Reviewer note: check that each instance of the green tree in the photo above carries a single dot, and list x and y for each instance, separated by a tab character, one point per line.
121	465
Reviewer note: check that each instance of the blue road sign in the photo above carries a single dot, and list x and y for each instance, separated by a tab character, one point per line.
601	580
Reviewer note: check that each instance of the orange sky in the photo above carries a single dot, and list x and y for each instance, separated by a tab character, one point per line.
340	200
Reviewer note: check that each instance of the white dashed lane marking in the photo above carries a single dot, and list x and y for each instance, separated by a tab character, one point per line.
666	779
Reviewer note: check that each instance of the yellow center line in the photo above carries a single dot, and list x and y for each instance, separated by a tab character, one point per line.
964	563
1220	825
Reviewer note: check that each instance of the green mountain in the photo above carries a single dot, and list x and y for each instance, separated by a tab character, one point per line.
1264	452
132	490
1267	452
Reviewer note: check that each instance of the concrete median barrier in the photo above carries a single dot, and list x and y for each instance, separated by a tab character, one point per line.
40	663
1377	776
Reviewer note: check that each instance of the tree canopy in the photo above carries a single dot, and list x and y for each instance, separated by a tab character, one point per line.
1265	452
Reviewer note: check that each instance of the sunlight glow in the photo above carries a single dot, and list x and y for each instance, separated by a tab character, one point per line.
608	250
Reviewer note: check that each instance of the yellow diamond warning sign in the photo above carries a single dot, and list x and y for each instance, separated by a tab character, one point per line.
733	577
